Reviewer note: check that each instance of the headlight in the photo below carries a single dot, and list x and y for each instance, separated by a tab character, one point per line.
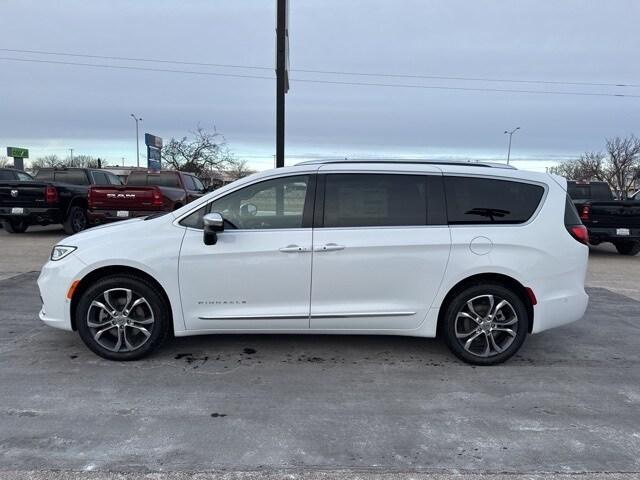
61	251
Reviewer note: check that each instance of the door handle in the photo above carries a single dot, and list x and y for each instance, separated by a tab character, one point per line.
294	249
329	247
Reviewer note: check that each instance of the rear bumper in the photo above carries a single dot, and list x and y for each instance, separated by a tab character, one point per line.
105	216
559	310
610	234
32	215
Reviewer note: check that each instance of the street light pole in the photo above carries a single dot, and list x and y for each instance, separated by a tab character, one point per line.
137	139
510	133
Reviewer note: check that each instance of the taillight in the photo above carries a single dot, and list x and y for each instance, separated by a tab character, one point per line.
90	198
580	233
50	194
585	211
157	198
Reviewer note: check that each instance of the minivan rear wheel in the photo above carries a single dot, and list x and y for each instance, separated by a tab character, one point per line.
122	317
485	324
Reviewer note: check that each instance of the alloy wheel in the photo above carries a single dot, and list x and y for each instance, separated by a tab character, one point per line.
120	320
486	325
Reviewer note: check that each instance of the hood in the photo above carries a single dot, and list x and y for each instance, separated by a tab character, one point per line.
115	228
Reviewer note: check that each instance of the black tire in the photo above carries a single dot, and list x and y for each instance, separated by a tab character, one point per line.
91	319
15	226
76	220
459	329
628	247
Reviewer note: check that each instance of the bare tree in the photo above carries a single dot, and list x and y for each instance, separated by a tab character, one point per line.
624	163
84	161
201	153
4	162
46	161
238	169
589	166
619	167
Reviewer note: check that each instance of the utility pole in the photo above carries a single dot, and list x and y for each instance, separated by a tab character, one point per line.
510	133
137	139
282	75
71	157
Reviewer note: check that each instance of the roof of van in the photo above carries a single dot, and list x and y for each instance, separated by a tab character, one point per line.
414	162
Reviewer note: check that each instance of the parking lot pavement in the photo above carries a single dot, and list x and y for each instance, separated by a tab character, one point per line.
27	252
569	402
264	405
619	273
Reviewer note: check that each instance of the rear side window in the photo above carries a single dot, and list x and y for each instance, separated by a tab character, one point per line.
23	177
137	179
100	178
188	182
6	175
44	175
483	200
197	183
375	200
74	177
163	179
589	191
114	179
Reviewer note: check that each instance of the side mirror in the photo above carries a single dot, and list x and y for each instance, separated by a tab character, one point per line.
213	223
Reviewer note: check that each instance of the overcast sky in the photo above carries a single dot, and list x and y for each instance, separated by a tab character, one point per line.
50	108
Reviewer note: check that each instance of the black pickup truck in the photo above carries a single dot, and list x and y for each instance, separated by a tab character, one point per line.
607	219
55	195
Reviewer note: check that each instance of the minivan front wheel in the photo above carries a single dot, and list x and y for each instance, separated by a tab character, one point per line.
485	324
122	317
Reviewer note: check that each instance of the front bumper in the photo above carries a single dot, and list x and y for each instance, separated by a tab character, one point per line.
32	216
54	282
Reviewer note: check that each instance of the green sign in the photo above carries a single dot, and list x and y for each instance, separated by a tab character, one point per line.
17	152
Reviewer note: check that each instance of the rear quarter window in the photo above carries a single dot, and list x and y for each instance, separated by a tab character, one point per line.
472	200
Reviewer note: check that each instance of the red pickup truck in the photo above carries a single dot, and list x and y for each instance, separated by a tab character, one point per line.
143	194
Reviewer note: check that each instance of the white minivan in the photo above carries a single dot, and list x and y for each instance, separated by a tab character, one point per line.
478	254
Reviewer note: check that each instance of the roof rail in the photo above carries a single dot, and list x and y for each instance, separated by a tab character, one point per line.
414	162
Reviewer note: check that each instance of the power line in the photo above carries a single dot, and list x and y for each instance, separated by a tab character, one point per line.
144	69
334	72
131	59
469	89
318	81
471	79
